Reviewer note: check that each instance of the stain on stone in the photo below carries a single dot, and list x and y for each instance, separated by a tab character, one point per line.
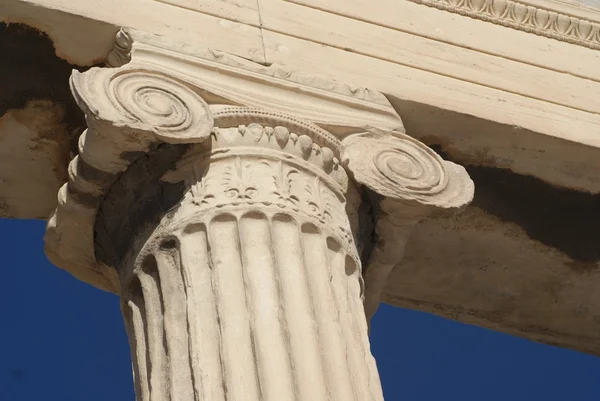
4	209
582	267
168	244
133	156
30	70
437	148
135	204
92	174
561	218
368	214
88	200
492	318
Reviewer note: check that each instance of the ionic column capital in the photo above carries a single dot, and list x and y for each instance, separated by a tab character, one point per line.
158	98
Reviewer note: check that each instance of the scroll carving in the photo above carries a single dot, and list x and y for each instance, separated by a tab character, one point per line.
408	181
401	168
144	100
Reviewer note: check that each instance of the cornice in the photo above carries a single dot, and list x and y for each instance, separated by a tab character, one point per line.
524	16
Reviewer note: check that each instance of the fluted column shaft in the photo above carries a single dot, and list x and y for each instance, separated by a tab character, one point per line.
251	289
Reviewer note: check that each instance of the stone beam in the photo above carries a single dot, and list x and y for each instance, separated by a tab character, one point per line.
232	207
536	80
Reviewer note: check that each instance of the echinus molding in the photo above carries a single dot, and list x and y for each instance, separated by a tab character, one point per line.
525	17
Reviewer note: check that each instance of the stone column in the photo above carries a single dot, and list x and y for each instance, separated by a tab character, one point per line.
208	193
250	288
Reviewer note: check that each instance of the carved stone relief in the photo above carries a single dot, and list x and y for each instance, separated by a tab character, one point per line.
410	182
525	17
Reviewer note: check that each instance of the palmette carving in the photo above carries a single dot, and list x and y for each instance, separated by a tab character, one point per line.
237	187
283	179
318	202
239	167
231	181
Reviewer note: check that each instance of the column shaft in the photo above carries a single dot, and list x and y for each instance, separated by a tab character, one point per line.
250	290
255	307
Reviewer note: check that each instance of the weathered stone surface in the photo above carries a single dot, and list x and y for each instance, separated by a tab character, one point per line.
37	131
430	56
527	264
38	123
408	182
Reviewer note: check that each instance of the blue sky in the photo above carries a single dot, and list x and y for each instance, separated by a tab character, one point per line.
62	340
